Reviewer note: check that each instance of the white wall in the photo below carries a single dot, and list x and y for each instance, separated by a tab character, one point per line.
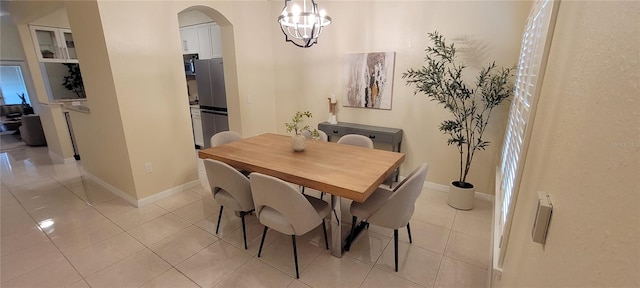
584	152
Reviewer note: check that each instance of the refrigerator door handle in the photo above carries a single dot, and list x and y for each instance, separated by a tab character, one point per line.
215	112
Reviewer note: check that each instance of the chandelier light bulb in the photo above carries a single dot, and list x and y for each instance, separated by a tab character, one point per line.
295	10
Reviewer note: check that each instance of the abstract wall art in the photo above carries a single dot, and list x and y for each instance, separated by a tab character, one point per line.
368	80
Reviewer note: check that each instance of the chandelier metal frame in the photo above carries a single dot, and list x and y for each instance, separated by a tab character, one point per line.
302	27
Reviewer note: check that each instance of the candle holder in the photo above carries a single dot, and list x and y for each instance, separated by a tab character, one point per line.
332	111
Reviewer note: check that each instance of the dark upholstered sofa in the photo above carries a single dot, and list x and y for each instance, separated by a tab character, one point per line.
10	116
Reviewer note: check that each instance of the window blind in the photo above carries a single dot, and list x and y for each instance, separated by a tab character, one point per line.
535	45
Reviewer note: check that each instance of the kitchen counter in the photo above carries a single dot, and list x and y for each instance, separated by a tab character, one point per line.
78	106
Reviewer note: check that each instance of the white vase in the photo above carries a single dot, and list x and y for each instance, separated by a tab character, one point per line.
298	143
461	198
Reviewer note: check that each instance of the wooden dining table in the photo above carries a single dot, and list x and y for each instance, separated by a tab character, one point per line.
341	170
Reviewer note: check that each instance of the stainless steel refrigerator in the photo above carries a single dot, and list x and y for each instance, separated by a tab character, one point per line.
212	97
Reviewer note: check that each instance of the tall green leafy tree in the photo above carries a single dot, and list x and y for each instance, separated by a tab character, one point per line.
470	105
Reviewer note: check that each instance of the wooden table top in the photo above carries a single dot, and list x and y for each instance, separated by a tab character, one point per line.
342	170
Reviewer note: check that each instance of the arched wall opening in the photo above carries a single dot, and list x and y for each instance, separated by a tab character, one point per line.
230	67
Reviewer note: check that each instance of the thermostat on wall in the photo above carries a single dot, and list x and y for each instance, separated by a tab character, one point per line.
542	219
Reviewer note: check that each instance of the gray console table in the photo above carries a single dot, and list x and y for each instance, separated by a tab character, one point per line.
391	136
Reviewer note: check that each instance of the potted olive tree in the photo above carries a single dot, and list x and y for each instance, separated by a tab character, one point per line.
298	141
470	105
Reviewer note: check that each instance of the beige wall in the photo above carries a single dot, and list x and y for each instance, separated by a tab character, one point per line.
10	46
140	82
192	17
132	67
584	152
305	77
53	122
100	135
55	128
56	19
131	61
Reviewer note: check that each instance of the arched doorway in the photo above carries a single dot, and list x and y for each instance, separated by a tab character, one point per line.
209	34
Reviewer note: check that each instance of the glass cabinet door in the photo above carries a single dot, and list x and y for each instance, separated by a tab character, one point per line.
54	44
69	46
47	44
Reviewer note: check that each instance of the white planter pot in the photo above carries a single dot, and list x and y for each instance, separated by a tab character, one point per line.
298	143
461	198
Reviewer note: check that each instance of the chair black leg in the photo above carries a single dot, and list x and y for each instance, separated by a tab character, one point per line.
395	246
302	190
409	231
321	195
219	217
336	213
264	234
295	255
324	229
244	230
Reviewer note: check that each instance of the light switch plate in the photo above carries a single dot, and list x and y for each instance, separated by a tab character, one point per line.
544	209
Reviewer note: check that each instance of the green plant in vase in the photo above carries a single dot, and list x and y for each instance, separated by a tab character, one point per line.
299	141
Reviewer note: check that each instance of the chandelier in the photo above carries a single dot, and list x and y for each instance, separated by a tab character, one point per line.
302	23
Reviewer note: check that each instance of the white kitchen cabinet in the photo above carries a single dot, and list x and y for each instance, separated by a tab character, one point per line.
54	44
197	126
216	40
189	37
204	42
203	39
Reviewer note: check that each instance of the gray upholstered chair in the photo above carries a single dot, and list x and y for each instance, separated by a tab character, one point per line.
224	137
392	208
281	207
231	189
321	135
356	140
31	131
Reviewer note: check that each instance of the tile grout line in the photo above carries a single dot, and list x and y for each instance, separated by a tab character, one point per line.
48	237
227	241
445	250
171	266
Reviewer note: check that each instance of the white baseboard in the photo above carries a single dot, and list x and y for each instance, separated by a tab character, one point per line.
167	193
111	188
485	196
436	186
57	159
445	188
144	201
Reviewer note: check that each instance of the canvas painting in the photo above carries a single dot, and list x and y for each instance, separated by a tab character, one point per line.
368	79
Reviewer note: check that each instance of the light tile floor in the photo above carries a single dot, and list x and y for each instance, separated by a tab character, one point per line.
60	229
